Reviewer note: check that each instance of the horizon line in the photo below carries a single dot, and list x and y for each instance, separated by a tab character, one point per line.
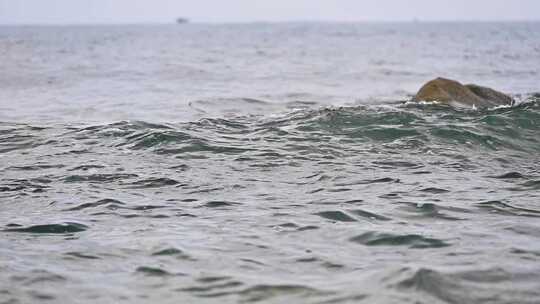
414	20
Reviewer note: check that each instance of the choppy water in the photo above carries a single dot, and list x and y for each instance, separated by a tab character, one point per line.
267	163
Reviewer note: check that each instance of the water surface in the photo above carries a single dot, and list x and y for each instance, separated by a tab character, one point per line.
266	163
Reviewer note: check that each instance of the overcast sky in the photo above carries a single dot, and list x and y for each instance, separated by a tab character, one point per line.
149	11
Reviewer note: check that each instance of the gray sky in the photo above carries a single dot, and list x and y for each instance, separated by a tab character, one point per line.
137	11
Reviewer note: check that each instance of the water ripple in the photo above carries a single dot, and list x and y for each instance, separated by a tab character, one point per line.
62	228
388	239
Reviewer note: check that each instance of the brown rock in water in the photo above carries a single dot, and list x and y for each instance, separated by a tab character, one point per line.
450	91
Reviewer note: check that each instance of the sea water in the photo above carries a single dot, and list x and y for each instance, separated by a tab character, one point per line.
267	163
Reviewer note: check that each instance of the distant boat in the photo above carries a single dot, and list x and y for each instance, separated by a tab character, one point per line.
182	20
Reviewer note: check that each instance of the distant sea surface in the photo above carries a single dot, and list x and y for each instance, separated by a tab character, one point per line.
267	163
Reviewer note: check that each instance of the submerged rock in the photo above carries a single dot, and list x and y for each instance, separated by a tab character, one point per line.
450	91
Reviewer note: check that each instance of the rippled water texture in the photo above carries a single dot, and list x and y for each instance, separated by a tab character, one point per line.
276	180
